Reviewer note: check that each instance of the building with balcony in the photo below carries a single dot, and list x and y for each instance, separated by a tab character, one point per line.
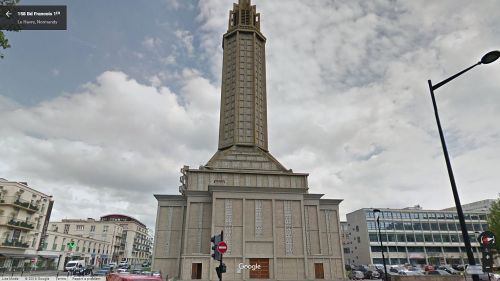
24	214
136	239
107	231
412	235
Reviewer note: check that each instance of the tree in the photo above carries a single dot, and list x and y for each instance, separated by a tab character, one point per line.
494	221
4	42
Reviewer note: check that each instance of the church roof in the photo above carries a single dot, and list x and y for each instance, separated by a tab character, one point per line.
245	158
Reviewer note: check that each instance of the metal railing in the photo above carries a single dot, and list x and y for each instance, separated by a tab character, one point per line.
15	243
14	200
10	221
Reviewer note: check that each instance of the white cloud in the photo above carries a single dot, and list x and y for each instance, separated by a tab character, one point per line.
151	42
168	60
173	4
186	39
116	140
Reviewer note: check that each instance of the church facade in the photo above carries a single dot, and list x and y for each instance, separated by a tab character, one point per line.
274	228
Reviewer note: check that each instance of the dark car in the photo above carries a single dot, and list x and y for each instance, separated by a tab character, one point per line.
368	273
81	271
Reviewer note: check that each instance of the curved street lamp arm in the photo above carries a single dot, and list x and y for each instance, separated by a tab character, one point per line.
454	76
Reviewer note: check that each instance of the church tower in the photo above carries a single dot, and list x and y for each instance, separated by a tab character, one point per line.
243	115
269	218
243	139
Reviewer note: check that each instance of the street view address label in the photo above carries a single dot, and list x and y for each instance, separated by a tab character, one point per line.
33	17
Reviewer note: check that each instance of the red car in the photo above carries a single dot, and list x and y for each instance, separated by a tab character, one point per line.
428	267
131	277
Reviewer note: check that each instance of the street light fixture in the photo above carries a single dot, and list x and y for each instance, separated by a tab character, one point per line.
376	212
486	59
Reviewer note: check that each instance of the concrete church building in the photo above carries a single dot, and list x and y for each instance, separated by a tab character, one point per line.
268	216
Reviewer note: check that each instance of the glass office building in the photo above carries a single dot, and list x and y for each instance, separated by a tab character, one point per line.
412	235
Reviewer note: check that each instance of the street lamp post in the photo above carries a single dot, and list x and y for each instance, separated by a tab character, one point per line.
486	59
376	212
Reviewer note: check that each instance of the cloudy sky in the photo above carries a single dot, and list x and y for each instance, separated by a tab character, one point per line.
103	115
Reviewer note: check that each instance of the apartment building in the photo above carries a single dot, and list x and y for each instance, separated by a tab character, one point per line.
106	231
412	235
24	214
136	237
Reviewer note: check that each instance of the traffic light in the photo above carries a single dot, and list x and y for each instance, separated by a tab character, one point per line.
216	239
220	269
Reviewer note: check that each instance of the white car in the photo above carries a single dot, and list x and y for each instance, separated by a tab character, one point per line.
74	265
121	270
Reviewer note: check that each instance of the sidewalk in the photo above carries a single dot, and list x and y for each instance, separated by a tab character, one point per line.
33	273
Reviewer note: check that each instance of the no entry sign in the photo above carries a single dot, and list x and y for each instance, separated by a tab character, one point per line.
487	239
222	247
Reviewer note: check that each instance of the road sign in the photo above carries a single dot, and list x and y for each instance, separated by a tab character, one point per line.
487	239
222	247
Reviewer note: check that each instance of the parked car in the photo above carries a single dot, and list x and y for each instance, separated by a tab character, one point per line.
493	277
124	264
428	267
102	272
356	275
74	265
448	269
121	270
369	272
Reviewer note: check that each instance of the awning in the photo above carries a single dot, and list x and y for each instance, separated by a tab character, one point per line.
19	256
49	256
